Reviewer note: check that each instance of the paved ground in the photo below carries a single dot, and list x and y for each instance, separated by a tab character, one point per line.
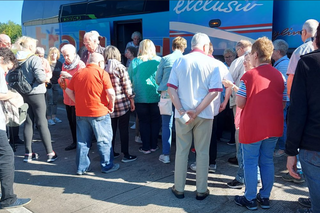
139	186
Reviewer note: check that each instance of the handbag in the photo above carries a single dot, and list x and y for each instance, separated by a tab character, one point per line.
165	104
15	110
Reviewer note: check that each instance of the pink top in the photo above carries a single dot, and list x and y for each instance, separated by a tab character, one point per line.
66	99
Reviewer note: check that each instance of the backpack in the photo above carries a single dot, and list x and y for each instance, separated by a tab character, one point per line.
18	81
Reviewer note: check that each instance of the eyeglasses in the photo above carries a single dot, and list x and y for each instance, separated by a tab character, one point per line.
227	57
312	39
300	32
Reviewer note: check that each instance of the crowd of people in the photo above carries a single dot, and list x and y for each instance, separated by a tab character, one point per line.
271	106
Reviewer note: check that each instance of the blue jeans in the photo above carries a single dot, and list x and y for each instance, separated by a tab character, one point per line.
101	128
149	122
283	138
254	155
240	173
310	162
167	121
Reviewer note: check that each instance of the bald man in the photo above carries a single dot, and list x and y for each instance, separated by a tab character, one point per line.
5	41
93	94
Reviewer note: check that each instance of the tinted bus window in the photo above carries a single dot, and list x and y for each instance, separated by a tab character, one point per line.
74	12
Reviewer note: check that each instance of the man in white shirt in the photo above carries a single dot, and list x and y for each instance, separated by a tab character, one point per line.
193	84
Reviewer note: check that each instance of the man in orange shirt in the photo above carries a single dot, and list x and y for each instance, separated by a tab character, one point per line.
91	90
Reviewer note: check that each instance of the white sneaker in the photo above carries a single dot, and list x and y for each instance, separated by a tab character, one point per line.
133	126
57	120
212	167
51	122
164	158
137	139
193	166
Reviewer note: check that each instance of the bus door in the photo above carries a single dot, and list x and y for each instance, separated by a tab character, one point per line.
122	34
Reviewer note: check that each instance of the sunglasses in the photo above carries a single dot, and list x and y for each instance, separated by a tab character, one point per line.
312	39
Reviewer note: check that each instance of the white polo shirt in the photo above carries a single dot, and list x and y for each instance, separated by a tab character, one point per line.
194	76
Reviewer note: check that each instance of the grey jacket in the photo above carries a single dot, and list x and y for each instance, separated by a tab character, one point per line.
33	71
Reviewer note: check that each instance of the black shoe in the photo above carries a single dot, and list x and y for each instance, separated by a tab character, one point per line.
116	155
52	158
264	202
17	142
129	158
18	203
235	184
242	201
71	147
231	143
202	196
233	161
176	193
306	202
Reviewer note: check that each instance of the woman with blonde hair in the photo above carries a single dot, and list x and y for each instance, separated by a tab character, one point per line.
53	92
35	75
124	102
142	72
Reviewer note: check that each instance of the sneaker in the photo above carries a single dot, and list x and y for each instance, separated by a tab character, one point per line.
235	184
52	157
289	178
155	149
193	166
242	201
212	167
116	155
129	158
83	172
56	120
143	151
51	122
306	202
264	202
279	153
115	167
231	143
29	157
233	161
133	126
71	147
304	211
137	139
164	158
18	203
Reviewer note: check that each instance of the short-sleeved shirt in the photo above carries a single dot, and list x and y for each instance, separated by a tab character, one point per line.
305	48
282	65
236	70
194	76
224	74
3	90
90	85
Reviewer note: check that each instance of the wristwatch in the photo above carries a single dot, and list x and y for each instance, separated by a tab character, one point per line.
181	110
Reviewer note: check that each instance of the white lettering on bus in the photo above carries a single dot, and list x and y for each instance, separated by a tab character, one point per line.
197	5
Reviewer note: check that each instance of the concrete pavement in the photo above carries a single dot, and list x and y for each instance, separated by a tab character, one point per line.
139	186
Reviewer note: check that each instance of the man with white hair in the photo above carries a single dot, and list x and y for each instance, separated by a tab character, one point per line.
281	59
5	41
92	43
193	84
308	31
91	90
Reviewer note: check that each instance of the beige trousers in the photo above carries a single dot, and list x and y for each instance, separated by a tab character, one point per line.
200	131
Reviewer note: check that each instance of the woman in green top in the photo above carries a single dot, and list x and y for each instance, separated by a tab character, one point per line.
142	72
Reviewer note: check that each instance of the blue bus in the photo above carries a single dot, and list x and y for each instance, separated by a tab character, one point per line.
55	23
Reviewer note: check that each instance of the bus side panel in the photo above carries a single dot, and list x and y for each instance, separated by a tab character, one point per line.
289	16
239	20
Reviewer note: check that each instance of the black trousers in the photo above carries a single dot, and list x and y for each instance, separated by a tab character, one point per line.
6	171
72	118
123	122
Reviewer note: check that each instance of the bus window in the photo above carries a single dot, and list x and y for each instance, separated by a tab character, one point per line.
73	12
157	6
